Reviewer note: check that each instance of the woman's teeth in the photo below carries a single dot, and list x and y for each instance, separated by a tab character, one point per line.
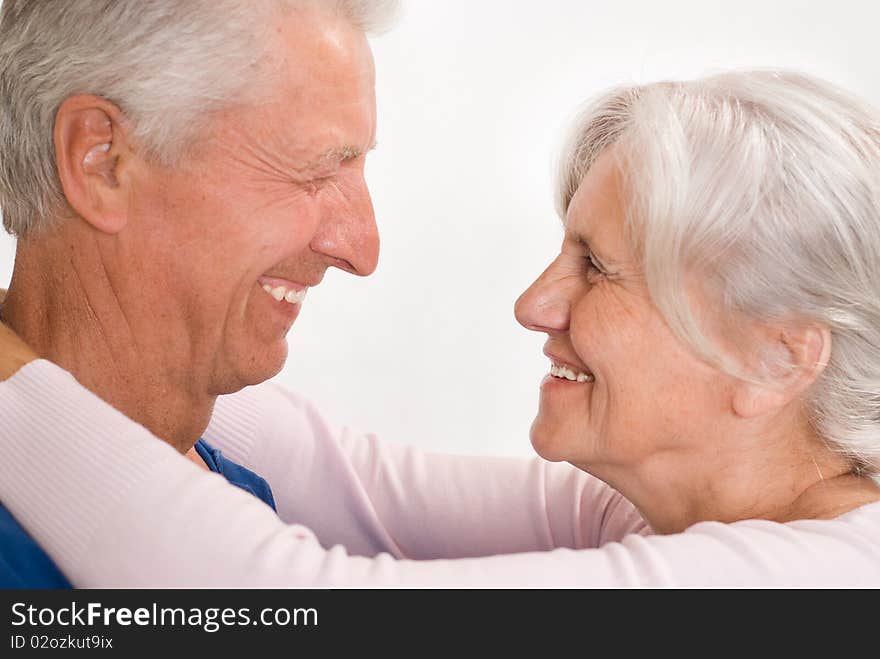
567	374
281	293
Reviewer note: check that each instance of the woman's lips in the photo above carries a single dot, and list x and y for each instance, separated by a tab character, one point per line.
565	369
565	373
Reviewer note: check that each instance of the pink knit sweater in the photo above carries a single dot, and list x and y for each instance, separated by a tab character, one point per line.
113	506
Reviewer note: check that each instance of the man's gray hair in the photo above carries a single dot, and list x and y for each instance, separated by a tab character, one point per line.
164	63
765	188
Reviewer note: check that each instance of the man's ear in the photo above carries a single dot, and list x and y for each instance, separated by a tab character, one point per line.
90	144
792	358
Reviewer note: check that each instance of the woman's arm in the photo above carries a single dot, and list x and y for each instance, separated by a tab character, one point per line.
115	507
372	496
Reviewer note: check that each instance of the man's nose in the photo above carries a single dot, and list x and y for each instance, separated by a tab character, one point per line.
348	233
545	305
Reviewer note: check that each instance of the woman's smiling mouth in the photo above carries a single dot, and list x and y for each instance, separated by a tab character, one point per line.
563	372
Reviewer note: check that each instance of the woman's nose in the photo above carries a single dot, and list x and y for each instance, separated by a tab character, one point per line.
544	306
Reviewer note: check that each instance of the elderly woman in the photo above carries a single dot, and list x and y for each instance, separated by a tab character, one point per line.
714	313
713	323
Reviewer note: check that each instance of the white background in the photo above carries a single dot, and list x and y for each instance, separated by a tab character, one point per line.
473	98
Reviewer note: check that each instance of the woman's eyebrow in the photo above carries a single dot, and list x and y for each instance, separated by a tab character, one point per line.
583	239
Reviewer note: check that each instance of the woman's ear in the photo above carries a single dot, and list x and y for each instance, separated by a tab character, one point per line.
792	358
90	147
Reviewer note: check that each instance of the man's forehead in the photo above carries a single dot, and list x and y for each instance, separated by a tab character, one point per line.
319	124
313	48
306	138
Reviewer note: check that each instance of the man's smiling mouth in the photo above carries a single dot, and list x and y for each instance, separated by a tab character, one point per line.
284	291
280	293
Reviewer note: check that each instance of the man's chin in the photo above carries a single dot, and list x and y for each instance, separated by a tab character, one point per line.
251	371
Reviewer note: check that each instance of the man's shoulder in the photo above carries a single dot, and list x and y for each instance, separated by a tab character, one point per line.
237	474
23	563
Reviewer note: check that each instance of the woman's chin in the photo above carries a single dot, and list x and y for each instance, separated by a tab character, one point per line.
548	440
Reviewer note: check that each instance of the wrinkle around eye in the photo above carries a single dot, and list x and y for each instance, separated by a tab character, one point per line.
322	185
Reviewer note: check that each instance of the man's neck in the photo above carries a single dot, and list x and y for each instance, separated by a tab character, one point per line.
73	316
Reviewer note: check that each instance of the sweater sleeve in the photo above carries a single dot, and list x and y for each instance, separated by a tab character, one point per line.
113	506
351	489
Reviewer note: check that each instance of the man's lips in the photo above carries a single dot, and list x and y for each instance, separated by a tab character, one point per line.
284	289
275	282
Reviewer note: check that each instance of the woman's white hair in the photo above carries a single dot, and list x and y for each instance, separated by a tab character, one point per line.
166	64
765	188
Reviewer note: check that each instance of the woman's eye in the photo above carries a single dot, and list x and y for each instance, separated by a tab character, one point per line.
591	264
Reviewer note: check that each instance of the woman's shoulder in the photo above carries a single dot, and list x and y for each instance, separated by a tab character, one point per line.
843	552
866	516
836	551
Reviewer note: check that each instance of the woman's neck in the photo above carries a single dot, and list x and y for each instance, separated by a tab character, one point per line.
781	476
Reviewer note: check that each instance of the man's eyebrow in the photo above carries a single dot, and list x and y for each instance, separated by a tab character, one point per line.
340	154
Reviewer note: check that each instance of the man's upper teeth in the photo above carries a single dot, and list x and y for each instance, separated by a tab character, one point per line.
281	293
564	372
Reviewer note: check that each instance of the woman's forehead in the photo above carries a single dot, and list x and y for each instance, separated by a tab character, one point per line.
596	207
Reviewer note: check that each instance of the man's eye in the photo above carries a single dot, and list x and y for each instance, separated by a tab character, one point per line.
315	184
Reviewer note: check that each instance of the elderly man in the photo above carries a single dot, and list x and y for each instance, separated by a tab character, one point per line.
167	247
195	230
178	175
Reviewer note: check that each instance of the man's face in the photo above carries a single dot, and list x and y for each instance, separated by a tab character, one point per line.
273	195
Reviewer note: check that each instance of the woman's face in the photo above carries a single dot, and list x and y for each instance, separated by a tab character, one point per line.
630	393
